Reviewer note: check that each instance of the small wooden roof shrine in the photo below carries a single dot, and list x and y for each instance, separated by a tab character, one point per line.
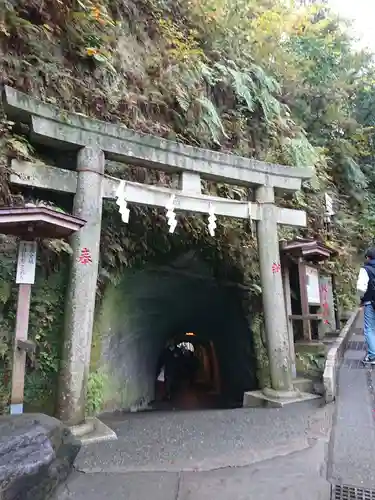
308	249
38	222
314	302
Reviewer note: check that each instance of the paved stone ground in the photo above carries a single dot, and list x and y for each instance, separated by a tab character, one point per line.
353	438
239	454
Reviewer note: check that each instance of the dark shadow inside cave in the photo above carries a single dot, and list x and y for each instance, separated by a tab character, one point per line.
188	375
154	305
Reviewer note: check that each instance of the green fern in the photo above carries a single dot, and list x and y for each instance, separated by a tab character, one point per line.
298	151
211	118
265	81
243	87
250	85
252	88
183	98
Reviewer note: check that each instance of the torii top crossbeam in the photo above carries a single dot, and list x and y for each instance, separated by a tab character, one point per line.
56	127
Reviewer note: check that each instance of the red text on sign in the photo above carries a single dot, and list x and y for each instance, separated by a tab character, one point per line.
276	268
85	257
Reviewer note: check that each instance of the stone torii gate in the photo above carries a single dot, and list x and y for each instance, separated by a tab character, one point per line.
94	141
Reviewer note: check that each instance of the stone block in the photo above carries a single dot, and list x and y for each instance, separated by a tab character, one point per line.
93	430
303	384
36	454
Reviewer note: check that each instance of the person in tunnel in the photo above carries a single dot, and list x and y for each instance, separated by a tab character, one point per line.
189	367
170	360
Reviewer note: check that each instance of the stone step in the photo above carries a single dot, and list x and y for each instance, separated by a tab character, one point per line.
332	334
93	430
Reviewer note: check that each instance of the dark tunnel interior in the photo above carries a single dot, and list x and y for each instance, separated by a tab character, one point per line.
154	306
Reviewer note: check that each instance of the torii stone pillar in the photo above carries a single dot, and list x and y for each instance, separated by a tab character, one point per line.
273	297
80	302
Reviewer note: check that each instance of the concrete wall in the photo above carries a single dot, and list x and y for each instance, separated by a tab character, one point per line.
138	316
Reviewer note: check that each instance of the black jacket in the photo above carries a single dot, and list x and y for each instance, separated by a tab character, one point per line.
369	295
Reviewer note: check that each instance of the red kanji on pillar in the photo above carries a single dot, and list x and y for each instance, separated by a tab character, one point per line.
85	257
325	307
276	268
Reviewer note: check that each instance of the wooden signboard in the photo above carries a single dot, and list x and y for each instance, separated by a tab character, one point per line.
26	263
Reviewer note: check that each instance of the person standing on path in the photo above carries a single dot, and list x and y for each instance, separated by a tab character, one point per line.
366	288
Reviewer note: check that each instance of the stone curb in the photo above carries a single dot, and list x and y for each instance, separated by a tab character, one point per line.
334	357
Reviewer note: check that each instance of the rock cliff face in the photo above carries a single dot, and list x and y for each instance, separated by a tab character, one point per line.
36	454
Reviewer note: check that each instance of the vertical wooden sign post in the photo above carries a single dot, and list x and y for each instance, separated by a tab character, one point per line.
28	224
25	278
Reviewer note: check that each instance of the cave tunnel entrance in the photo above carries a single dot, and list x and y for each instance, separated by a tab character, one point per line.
155	307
